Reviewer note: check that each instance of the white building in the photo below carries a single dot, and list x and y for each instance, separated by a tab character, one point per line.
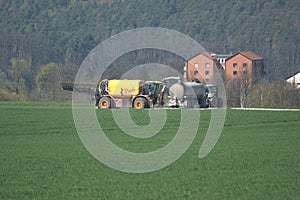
221	58
295	79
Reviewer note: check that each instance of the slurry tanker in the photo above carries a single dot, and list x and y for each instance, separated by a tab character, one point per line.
187	94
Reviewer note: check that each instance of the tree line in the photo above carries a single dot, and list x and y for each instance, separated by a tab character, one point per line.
63	32
18	86
278	94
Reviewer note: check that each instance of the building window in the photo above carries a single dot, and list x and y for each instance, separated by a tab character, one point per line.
196	72
235	73
245	65
207	65
206	72
207	80
245	72
234	64
221	60
196	65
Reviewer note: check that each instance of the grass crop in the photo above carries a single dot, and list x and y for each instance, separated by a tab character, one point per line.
42	157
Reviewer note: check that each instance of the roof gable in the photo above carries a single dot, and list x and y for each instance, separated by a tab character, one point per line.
251	55
247	54
296	75
206	54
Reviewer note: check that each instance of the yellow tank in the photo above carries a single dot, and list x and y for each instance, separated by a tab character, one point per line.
124	88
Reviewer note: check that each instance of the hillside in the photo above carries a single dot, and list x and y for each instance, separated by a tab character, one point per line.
64	32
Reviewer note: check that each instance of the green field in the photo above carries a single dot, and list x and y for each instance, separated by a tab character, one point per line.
42	157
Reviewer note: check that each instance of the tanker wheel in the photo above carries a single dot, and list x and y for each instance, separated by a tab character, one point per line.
140	103
213	102
105	102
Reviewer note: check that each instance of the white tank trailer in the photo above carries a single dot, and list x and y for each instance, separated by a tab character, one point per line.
187	94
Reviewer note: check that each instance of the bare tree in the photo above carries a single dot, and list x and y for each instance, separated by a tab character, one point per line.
17	71
275	94
238	89
47	81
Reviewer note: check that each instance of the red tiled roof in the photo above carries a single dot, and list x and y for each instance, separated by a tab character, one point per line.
208	54
251	55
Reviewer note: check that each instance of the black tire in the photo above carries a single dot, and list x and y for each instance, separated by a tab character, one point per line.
213	102
140	103
105	102
203	104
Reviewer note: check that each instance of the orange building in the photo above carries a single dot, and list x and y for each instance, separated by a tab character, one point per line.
245	66
202	67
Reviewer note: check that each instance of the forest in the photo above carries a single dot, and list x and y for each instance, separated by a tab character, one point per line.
44	42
